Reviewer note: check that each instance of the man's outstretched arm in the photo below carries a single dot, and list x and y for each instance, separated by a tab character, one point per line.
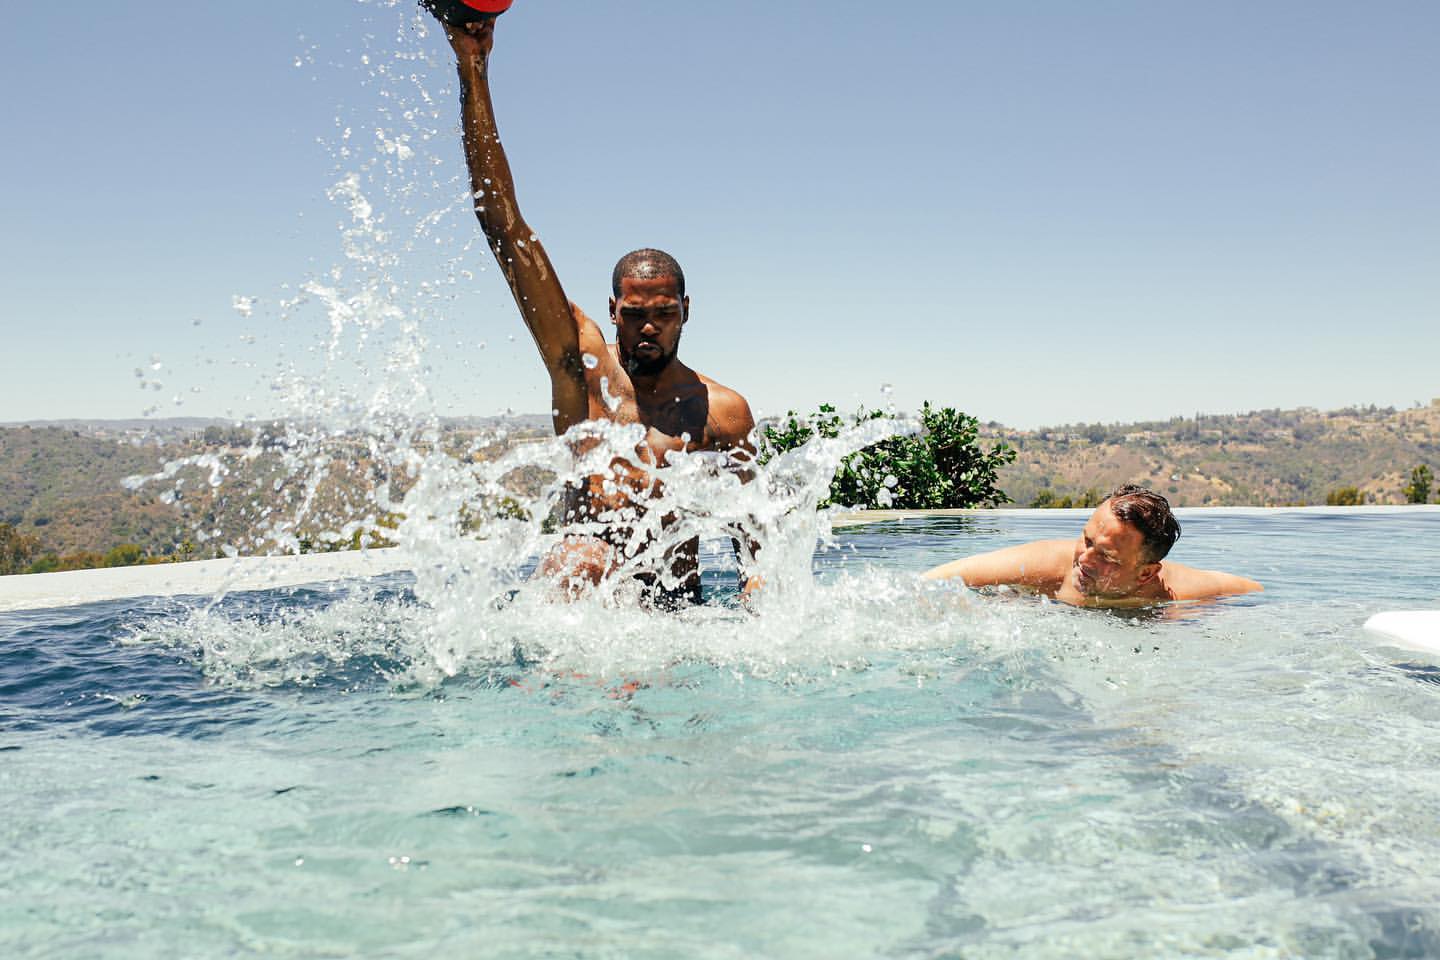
519	253
1040	565
1188	583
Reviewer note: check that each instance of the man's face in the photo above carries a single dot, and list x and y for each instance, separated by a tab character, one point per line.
648	317
1110	557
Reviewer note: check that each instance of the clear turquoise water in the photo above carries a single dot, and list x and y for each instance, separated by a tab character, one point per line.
895	769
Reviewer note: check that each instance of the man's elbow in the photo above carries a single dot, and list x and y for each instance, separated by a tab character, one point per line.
955	569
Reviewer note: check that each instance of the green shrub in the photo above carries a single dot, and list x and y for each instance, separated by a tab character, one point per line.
1345	497
942	466
1420	481
17	549
125	555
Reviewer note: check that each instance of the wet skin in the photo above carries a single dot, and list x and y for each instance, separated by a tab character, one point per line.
644	379
1109	563
1106	566
680	409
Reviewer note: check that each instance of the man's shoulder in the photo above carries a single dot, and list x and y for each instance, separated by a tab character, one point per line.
729	411
723	396
583	323
1057	555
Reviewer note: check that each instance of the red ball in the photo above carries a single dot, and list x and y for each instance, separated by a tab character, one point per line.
458	12
491	8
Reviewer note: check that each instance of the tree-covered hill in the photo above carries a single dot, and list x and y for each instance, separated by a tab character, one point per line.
1262	458
63	494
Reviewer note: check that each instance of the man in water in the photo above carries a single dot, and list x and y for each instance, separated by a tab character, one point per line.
637	379
1118	560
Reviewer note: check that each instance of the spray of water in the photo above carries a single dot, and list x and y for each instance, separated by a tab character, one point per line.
359	457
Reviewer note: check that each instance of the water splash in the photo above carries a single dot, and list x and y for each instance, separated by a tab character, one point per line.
359	457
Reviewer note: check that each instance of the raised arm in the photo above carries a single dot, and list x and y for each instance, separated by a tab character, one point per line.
1040	565
519	253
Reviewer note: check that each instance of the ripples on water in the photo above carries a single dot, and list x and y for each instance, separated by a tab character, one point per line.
906	770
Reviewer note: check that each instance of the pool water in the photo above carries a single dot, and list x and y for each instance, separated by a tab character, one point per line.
885	768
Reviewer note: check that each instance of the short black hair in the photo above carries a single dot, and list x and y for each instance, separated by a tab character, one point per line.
647	264
1148	512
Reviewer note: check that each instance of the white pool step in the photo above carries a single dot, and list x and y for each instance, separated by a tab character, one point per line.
38	591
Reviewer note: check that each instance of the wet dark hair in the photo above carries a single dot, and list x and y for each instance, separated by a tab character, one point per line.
1149	513
647	264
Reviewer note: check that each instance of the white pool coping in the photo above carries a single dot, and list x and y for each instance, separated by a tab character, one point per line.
41	591
851	518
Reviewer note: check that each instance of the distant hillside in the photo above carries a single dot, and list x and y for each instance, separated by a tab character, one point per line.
63	486
1263	458
60	486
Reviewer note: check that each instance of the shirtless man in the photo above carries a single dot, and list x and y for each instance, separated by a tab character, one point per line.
1118	561
636	379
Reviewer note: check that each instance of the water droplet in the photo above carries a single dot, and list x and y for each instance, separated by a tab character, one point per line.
590	360
612	402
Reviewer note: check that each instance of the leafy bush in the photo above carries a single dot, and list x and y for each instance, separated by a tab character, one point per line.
16	549
1419	489
1345	497
1092	497
125	555
943	466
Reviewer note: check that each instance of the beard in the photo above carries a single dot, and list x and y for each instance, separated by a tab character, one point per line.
647	366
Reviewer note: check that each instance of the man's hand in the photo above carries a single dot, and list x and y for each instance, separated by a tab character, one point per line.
469	40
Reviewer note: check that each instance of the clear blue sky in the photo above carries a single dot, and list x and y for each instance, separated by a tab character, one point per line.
1038	212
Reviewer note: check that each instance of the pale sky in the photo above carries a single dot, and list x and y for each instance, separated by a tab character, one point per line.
1038	212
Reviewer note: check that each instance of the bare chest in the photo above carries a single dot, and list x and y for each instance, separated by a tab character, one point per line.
675	419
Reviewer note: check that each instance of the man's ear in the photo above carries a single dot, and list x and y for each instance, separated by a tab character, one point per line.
684	309
1148	572
613	318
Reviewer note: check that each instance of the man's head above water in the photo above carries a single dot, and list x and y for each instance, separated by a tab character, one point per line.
1123	542
649	308
1117	561
646	264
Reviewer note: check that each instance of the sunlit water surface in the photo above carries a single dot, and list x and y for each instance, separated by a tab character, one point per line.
902	769
451	764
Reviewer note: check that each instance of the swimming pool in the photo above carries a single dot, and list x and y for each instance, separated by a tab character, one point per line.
888	768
